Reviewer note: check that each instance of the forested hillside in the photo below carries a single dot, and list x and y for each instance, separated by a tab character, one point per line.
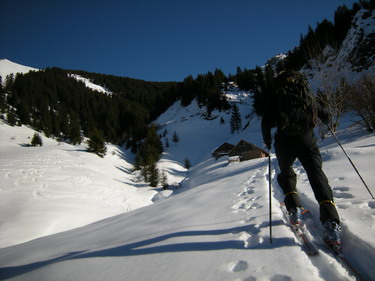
328	54
54	102
59	105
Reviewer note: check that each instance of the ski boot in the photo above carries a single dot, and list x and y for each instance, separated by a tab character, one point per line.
295	216
331	234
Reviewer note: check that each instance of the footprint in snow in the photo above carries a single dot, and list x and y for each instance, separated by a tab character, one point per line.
343	206
238	266
254	206
248	190
342	192
246	205
250	278
368	205
342	189
247	220
250	240
279	277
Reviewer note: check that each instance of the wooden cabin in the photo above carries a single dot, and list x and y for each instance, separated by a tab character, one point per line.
247	151
222	150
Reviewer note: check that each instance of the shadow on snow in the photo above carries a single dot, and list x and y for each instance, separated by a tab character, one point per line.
144	248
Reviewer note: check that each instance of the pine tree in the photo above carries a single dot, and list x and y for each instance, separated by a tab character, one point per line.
9	82
176	138
151	148
187	163
74	129
96	143
23	113
56	126
36	140
3	103
153	173
63	121
238	70
11	117
235	120
167	143
164	180
144	173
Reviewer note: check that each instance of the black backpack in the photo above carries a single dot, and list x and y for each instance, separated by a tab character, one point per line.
296	112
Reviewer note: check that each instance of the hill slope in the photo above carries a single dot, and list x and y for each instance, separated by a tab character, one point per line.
7	67
56	187
214	228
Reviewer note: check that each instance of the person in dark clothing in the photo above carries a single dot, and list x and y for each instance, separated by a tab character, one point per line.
302	146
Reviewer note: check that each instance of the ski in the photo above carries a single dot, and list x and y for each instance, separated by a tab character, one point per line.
336	252
312	249
299	231
345	262
340	257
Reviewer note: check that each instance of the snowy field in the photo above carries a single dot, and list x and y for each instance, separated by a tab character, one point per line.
57	187
214	227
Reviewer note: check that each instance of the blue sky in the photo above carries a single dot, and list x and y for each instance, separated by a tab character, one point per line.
155	40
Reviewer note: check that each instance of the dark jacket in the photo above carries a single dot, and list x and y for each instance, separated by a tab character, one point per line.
269	121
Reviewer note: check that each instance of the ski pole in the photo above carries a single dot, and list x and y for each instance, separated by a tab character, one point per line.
270	193
350	160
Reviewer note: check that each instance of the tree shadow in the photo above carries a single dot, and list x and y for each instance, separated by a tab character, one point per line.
13	271
25	145
145	247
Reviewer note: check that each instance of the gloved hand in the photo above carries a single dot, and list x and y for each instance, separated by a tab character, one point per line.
325	119
268	143
323	115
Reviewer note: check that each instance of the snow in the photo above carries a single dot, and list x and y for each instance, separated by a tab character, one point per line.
67	214
58	187
7	67
213	227
90	85
334	65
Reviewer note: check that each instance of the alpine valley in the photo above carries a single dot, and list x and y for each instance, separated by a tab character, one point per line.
67	214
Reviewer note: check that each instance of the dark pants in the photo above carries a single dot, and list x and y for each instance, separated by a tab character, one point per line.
288	148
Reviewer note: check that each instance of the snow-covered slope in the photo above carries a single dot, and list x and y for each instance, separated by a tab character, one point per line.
353	60
90	85
214	227
57	187
203	134
7	67
62	186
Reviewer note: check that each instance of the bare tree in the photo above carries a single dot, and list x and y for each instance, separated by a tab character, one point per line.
362	101
334	99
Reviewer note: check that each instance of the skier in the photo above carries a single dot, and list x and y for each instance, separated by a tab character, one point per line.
293	110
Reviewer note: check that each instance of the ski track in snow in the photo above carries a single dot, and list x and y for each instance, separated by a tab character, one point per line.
249	200
353	246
